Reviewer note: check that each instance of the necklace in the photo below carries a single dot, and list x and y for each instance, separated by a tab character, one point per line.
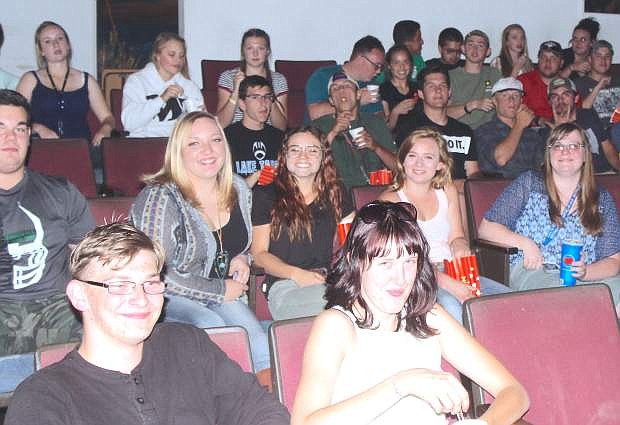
222	257
59	95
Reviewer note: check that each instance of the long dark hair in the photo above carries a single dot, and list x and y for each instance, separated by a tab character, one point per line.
259	33
290	209
375	227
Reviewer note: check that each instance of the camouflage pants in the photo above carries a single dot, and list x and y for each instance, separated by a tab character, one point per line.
27	325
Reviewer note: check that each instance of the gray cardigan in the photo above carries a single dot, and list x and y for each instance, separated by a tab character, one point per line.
164	215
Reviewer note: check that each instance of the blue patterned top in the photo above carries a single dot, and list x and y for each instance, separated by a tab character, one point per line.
524	208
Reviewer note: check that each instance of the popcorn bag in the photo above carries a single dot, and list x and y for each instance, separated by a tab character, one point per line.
266	176
343	231
464	269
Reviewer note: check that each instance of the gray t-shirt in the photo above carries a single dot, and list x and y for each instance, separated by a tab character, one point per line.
40	217
605	101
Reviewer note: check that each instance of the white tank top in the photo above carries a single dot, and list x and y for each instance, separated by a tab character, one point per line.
437	229
374	357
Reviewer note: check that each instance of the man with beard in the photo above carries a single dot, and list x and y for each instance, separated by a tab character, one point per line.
506	144
254	143
360	142
562	95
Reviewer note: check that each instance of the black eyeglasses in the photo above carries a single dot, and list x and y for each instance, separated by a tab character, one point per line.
126	287
378	66
379	210
266	97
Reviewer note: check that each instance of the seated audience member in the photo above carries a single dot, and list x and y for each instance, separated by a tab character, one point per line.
7	80
40	217
599	89
506	144
423	180
295	222
61	96
435	92
254	143
535	82
365	63
128	369
398	93
577	56
470	102
562	95
409	34
513	59
374	356
255	53
355	156
155	97
540	210
450	46
201	214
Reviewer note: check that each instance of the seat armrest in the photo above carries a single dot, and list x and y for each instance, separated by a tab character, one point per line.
496	246
494	260
254	271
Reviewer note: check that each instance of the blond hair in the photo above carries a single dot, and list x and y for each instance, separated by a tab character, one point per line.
158	45
41	61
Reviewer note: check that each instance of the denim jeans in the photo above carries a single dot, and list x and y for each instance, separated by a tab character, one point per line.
288	300
229	313
453	305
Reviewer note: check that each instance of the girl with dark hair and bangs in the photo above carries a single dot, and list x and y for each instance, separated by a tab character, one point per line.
294	223
374	356
255	54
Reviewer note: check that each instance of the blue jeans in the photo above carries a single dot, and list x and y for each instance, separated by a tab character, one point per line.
455	308
229	313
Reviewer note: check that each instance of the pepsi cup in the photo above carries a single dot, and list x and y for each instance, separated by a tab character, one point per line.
571	252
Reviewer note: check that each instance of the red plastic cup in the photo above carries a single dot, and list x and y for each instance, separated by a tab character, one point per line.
266	176
343	231
375	178
385	176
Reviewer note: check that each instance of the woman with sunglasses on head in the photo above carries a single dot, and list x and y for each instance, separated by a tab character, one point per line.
295	221
423	179
200	212
398	92
255	53
61	96
374	355
538	211
156	96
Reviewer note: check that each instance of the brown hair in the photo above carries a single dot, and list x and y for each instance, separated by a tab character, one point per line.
505	59
442	177
113	243
290	209
258	33
587	200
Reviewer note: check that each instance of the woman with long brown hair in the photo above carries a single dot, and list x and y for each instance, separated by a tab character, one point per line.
255	53
513	59
295	221
538	211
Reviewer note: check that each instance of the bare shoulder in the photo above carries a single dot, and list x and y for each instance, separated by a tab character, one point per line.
451	191
389	195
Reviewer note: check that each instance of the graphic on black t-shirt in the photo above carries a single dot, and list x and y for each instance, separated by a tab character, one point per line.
252	150
458	144
28	253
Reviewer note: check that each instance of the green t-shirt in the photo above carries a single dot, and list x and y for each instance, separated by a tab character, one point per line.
418	64
466	87
351	163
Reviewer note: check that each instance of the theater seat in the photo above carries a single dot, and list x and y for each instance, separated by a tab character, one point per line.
233	340
126	160
110	209
69	158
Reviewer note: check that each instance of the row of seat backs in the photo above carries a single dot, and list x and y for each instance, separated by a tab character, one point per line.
125	161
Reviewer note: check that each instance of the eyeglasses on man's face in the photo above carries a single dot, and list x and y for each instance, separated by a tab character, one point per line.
126	287
269	98
378	66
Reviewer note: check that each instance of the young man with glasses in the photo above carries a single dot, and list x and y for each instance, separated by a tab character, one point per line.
355	154
40	217
365	63
562	96
254	144
471	84
127	369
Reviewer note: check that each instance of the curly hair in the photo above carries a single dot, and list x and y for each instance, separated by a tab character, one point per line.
290	209
376	227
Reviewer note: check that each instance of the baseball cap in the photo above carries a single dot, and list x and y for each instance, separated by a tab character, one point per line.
561	82
550	46
508	83
340	76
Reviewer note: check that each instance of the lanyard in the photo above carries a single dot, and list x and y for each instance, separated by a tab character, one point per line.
59	95
554	231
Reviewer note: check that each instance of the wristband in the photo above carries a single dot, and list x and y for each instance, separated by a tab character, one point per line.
467	111
233	100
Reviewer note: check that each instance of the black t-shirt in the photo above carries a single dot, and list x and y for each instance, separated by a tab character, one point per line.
251	150
393	97
460	139
234	237
301	253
